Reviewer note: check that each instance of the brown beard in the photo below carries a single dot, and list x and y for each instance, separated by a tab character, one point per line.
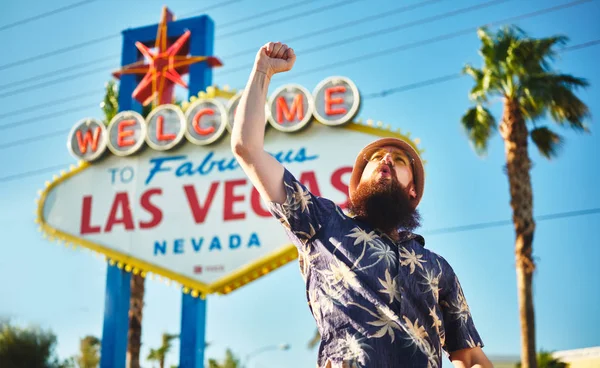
385	205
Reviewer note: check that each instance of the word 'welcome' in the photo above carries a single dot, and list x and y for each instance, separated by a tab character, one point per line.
335	101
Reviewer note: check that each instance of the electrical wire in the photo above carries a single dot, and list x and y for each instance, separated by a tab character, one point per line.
95	61
337	27
490	224
379	32
286	18
50	103
44	15
442	37
380	94
87	43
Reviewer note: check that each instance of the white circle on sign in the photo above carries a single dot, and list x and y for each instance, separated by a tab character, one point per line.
205	121
231	107
132	133
337	100
283	104
87	139
166	127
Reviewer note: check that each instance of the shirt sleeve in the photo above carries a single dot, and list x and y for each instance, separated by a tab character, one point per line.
459	328
302	213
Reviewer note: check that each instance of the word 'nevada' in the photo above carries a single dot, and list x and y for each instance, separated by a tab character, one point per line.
334	102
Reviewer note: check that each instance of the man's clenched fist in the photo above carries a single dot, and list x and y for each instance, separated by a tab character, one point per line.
275	57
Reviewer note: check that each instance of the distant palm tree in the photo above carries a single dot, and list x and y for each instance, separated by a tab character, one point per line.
110	104
516	69
160	354
546	360
89	352
231	361
110	107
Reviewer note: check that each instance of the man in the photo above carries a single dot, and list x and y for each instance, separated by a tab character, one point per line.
379	298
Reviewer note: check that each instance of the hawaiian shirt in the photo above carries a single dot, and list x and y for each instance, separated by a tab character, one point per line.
376	302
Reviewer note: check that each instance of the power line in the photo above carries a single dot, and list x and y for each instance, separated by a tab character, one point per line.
449	77
286	18
45	116
86	43
380	94
59	71
51	82
381	32
435	39
487	225
33	172
212	7
110	57
57	51
35	138
68	77
337	27
50	103
269	12
44	15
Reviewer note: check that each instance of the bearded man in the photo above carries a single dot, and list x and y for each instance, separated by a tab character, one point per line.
378	296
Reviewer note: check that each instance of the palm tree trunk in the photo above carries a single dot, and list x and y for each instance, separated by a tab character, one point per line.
134	336
515	135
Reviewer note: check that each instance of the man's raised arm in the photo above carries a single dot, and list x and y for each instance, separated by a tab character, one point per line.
247	137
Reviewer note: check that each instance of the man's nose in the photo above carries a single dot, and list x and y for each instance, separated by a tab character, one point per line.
388	159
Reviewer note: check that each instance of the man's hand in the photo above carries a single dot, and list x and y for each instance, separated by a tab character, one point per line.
274	57
470	357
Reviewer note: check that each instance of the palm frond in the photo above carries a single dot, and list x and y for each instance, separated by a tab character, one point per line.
533	55
479	123
547	142
555	93
478	93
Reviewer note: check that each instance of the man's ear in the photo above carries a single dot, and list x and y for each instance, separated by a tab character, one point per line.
412	192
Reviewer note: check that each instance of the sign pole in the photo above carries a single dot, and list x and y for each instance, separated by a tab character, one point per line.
193	309
116	320
118	281
193	331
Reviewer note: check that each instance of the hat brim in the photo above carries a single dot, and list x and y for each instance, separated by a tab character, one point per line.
418	171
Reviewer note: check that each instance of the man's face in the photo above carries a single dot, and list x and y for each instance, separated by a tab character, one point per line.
384	196
386	161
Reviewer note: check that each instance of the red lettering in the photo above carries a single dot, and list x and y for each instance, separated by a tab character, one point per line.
256	204
284	111
196	122
121	203
336	181
230	199
198	210
330	101
85	140
160	135
309	180
151	208
86	217
123	134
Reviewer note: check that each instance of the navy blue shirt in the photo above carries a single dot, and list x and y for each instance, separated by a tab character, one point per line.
377	302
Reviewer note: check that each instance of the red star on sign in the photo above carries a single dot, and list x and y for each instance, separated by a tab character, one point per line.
165	66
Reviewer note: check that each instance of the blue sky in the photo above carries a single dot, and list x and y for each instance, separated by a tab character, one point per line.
63	289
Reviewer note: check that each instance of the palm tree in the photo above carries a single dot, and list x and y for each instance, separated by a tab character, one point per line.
516	68
231	361
160	354
110	107
89	350
546	360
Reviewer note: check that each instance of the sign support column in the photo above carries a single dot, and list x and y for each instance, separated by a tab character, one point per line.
193	309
